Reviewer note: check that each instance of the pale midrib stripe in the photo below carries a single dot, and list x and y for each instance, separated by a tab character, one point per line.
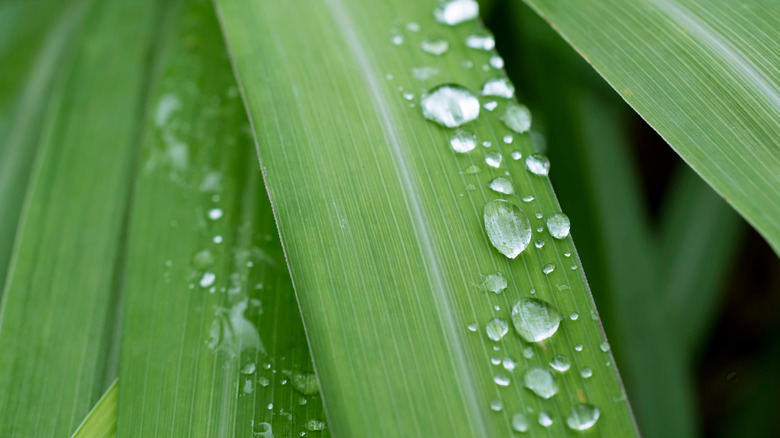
750	74
419	219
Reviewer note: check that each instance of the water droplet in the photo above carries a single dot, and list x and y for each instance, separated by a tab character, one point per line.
495	360
548	268
217	239
496	329
397	40
203	259
467	64
586	372
408	96
604	347
450	105
496	62
305	383
501	379
481	41
509	364
578	347
574	316
249	387
501	185
435	46
490	106
534	319
528	352
207	279
507	227
486	143
560	363
495	282
424	73
558	225
582	416
471	187
463	141
249	368
315	425
517	118
262	430
539	243
508	140
537	164
493	159
453	12
263	381
545	420
519	422
528	198
412	26
499	87
541	381
471	170
473	327
215	213
496	405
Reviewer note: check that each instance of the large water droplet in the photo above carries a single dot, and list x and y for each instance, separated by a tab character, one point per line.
501	379
582	416
534	319
496	329
481	41
435	46
538	164
450	105
453	12
499	87
496	62
545	419
507	227
517	118
495	282
463	141
520	422
541	382
493	159
501	185
586	372
558	225
560	363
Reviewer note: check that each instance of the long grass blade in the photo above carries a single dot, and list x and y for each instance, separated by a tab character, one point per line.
101	420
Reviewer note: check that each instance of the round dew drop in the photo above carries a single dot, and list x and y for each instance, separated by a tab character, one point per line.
560	363
496	329
519	422
496	62
501	185
463	141
495	282
501	379
517	118
496	405
586	372
435	46
538	164
481	42
507	227
450	105
545	420
454	12
493	159
558	225
535	320
582	416
541	382
499	87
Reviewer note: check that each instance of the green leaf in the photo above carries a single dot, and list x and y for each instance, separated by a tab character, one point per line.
383	226
212	340
58	310
101	420
704	75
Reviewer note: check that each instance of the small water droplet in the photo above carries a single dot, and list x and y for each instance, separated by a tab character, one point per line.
517	118
249	387
217	239
450	105
487	143
496	329
582	416
471	187
496	405
207	279
454	12
501	379
537	164
215	213
397	40
495	360
473	169
496	62
249	368
262	430
305	383
463	141
467	64
412	26
604	347
473	327
435	46
541	382
560	363
263	381
493	159
408	96
558	225
203	259
482	41
545	420
508	140
509	364
586	372
501	185
490	106
424	73
495	282
499	87
528	352
315	425
574	316
578	347
539	243
534	319
528	198
519	422
507	227
548	268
